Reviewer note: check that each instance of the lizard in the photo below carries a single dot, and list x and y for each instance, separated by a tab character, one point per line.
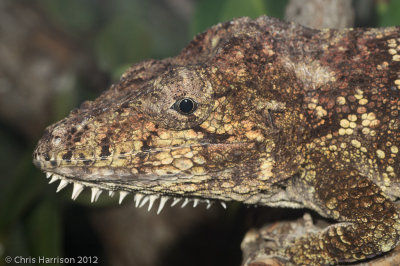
258	111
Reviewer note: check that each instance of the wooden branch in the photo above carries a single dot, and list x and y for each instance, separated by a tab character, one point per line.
260	247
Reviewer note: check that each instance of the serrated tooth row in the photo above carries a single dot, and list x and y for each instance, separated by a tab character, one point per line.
140	199
77	189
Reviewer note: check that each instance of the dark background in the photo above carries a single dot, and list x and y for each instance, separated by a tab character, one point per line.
56	54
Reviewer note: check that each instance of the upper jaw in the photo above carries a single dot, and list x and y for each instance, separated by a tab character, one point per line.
113	180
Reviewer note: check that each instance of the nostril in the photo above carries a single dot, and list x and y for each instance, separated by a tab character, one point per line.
37	163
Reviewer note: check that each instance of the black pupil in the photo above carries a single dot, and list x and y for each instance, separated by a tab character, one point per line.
186	106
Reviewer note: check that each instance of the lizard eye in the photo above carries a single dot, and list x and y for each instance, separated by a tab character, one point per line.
185	106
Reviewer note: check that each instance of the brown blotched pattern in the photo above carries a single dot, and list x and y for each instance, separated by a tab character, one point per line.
258	111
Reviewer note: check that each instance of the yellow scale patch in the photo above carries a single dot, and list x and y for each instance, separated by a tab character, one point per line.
366	122
394	50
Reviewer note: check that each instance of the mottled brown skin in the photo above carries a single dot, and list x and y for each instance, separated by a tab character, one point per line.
286	116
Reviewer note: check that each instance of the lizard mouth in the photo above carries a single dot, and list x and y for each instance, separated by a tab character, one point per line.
170	174
140	199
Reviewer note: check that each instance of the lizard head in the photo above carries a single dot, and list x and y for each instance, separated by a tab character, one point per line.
179	130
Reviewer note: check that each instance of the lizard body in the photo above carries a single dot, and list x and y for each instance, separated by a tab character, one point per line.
258	111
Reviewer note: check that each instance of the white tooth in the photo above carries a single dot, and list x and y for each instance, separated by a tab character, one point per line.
111	193
223	204
195	203
176	200
152	199
98	195
209	203
185	202
53	179
63	184
48	175
163	200
77	189
95	194
138	198
144	201
122	195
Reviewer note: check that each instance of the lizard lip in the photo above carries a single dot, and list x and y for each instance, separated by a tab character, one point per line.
139	198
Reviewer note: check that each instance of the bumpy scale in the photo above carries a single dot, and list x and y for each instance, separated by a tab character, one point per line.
258	111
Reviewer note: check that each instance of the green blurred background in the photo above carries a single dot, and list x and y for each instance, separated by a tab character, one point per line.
56	54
